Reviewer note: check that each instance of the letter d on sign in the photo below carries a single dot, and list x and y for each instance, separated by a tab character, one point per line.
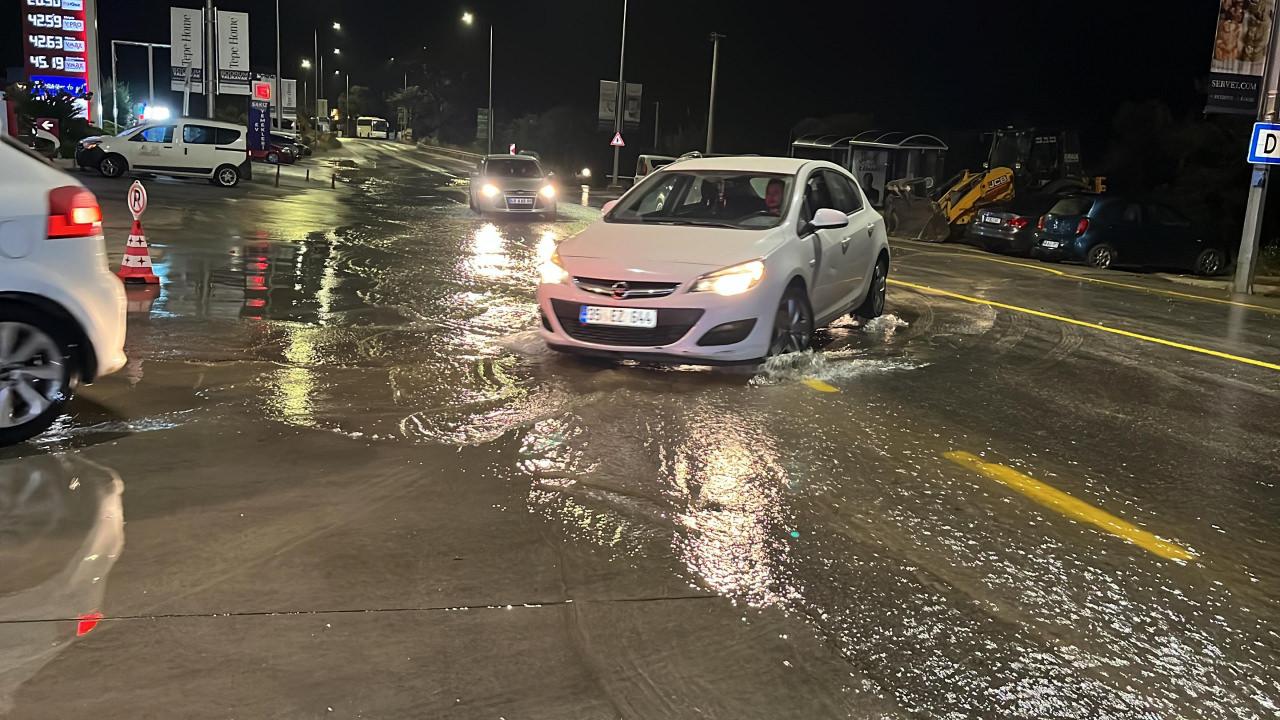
1269	145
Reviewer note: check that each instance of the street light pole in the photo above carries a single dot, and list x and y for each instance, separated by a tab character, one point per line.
346	110
619	104
490	88
279	100
319	77
1247	259
711	108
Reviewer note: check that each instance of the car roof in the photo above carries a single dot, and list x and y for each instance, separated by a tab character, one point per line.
508	156
742	163
198	121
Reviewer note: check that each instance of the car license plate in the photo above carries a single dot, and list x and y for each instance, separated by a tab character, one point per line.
994	220
618	317
1051	244
520	201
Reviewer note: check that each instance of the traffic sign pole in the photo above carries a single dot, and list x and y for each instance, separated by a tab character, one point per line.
1247	259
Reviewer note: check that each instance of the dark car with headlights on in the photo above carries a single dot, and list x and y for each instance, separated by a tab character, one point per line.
1108	231
1009	227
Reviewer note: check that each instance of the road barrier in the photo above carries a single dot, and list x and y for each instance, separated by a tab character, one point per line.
452	152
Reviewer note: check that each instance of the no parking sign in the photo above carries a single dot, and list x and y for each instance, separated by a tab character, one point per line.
137	200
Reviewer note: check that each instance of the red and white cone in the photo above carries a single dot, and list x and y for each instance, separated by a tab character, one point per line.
136	265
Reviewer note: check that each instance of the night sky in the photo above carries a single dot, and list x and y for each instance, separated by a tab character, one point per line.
928	65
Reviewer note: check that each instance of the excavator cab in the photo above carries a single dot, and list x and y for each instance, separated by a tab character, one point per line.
1018	161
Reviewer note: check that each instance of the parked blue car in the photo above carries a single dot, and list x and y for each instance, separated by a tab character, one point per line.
1105	231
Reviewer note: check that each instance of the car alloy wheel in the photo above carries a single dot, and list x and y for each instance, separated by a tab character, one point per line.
32	374
110	167
792	324
1210	262
228	176
1101	257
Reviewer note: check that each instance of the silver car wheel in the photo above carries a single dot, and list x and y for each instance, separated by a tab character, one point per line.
32	373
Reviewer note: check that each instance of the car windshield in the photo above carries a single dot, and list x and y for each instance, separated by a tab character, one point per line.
380	125
715	198
513	168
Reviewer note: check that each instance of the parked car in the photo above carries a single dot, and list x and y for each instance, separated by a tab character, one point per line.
1107	231
1010	227
512	184
186	147
288	144
718	260
62	312
646	164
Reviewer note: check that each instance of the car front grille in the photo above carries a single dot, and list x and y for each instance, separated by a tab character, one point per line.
673	324
625	289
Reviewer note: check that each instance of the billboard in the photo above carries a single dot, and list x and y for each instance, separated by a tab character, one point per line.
233	53
609	99
56	40
1239	55
186	51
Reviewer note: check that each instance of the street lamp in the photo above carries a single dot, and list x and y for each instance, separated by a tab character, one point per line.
315	39
469	19
337	51
306	65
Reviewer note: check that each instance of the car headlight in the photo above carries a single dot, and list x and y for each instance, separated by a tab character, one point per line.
489	190
731	280
89	145
552	271
548	192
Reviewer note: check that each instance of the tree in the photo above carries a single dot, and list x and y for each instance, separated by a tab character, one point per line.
32	101
122	96
361	102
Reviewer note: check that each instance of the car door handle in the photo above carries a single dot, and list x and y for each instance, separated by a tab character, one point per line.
844	244
871	229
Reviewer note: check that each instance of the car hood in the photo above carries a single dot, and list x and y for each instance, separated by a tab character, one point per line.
510	183
645	247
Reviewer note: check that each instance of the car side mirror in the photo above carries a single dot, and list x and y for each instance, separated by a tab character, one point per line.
608	207
828	218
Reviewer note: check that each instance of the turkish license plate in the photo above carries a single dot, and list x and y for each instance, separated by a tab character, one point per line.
993	219
520	201
618	317
1052	244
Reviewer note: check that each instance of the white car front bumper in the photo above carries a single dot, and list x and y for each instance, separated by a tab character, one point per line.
684	321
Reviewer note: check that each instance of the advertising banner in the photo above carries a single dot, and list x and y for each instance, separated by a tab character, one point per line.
289	101
55	38
482	123
233	53
186	51
1239	55
609	100
259	124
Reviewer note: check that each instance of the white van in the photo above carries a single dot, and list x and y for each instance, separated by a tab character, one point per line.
186	147
646	164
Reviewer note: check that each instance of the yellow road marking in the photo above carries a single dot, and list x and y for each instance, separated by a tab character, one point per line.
820	386
1070	506
1092	326
1100	281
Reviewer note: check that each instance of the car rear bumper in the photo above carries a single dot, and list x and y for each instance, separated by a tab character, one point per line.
684	332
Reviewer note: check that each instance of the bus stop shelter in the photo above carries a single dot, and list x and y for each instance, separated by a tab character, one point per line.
877	157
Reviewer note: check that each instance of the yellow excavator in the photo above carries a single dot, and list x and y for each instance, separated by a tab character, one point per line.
1018	161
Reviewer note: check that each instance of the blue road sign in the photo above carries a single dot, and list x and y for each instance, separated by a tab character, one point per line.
1264	149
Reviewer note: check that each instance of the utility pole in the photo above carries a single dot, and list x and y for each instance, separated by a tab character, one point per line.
657	109
619	105
211	58
279	100
490	151
315	40
346	110
1247	259
711	109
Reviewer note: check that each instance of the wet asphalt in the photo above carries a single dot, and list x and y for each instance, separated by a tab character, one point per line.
341	477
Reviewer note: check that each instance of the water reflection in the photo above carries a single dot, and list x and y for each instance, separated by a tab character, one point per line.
61	532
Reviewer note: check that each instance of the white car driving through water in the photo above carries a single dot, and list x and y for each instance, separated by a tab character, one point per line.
717	261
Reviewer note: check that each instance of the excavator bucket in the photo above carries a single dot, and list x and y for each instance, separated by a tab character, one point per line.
911	213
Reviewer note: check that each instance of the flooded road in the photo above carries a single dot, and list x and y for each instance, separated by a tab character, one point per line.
359	486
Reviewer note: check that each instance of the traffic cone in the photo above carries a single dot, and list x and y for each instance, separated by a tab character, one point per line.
136	265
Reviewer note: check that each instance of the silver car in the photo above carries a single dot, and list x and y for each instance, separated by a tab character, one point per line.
512	185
